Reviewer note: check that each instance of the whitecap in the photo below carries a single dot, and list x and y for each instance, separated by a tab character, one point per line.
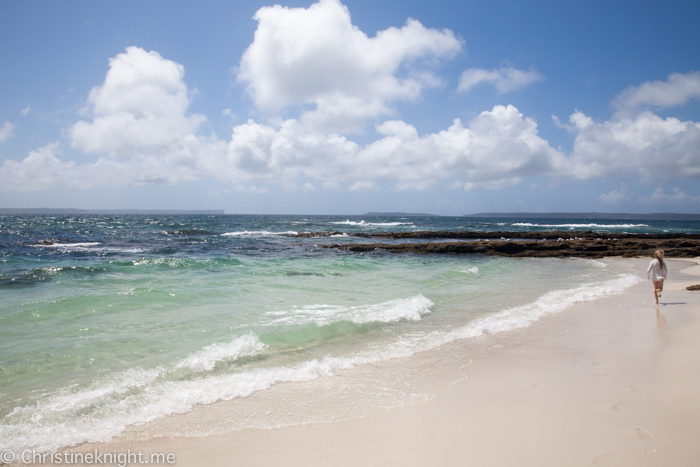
466	270
362	223
257	233
581	226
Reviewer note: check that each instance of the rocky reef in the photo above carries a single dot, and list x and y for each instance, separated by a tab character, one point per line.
559	244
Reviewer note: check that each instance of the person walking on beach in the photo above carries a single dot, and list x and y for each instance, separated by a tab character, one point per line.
657	273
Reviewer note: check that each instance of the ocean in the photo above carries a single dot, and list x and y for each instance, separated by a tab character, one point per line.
113	324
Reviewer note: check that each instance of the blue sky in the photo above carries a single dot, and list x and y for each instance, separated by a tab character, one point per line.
344	108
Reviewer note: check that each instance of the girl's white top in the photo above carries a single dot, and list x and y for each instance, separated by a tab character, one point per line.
656	271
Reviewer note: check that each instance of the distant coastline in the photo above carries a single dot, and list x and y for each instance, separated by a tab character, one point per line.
106	211
589	215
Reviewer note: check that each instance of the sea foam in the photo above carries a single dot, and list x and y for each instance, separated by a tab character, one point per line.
411	309
258	233
362	223
72	416
581	226
207	358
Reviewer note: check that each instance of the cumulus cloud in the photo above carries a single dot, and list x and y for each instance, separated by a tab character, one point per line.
39	170
7	131
637	142
316	56
647	145
499	147
676	90
678	196
140	116
140	131
504	79
614	197
42	169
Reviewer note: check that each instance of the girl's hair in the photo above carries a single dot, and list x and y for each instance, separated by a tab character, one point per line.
659	254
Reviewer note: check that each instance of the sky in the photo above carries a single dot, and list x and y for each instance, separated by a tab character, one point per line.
445	107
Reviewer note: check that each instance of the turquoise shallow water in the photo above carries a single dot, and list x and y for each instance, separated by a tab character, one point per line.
110	321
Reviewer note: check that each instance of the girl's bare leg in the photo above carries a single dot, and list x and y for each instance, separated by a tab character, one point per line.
658	287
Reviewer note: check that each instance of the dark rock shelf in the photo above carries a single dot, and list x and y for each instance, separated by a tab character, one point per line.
556	244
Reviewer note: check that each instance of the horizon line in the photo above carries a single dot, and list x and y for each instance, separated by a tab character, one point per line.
551	215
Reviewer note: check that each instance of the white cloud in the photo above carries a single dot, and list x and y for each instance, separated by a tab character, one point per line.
139	116
505	79
612	198
140	130
363	186
495	149
676	90
7	131
316	56
39	170
254	189
25	111
42	169
493	184
646	145
498	146
678	196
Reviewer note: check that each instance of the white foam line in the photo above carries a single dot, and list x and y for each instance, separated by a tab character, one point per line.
144	395
70	245
580	226
363	223
132	396
257	233
411	309
512	318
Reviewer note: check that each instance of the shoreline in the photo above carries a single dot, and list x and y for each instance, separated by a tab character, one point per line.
608	382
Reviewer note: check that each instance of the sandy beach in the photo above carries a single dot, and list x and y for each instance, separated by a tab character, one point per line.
608	382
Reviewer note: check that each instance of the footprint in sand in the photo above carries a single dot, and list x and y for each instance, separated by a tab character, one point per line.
600	460
618	407
644	434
